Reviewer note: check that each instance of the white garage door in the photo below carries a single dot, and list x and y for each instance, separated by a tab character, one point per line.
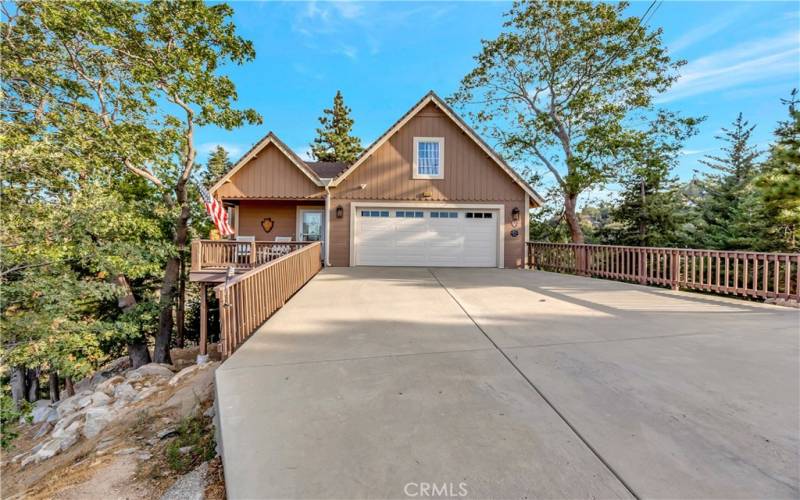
426	237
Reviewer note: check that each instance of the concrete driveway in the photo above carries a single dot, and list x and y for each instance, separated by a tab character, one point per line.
410	382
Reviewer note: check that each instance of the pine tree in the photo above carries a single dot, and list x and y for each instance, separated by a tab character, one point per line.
724	212
778	187
217	165
651	210
333	141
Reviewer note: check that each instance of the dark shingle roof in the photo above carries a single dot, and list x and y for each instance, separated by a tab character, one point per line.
327	169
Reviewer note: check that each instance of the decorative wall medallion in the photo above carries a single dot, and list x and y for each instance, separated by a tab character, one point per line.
267	224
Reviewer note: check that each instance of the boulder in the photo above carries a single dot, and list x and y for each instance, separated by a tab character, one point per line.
189	397
108	386
43	412
67	420
71	404
73	429
44	429
146	393
68	441
100	398
48	450
189	371
151	370
96	420
125	392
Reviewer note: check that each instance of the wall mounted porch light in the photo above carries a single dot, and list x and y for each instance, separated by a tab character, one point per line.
339	212
515	216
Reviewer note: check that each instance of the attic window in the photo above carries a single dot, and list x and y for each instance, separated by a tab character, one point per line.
428	157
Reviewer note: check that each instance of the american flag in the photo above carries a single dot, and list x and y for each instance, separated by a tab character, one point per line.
217	212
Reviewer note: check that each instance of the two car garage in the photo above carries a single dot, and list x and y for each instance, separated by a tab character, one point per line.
426	236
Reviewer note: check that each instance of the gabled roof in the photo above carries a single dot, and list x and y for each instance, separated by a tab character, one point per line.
270	138
431	97
327	169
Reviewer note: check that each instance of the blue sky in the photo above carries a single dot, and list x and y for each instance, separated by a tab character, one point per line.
742	56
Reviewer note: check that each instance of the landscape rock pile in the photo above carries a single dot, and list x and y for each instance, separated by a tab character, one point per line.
108	396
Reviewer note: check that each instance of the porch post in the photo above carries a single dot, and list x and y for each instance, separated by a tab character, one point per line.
203	354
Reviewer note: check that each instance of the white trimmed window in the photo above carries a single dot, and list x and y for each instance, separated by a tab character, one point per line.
428	157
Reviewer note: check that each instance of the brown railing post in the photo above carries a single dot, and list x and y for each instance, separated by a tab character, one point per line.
642	267
252	254
675	259
196	256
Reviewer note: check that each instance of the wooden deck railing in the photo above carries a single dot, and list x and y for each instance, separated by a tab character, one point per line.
248	300
753	274
221	254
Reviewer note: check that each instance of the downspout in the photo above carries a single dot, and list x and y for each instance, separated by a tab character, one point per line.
327	231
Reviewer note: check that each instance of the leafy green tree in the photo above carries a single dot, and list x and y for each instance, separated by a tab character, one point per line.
334	141
126	84
778	186
563	85
726	216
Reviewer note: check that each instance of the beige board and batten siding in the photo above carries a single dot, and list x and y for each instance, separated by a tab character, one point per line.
269	175
470	177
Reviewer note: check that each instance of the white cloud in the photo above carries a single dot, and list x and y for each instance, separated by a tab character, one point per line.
326	24
692	152
707	30
755	62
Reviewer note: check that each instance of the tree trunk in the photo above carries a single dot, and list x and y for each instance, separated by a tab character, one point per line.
171	277
33	384
69	390
180	312
137	349
138	353
573	222
54	396
18	385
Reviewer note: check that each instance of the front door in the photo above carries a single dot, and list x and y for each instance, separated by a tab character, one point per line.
310	224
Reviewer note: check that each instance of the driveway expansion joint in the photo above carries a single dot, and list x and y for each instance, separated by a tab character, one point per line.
538	391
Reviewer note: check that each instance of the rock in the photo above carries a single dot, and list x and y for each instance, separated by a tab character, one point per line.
146	393
68	441
189	487
143	456
149	370
183	450
17	458
28	460
165	433
48	450
90	383
188	397
108	386
73	428
67	421
85	401
43	412
44	429
125	392
96	420
189	370
71	404
126	451
100	398
210	412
